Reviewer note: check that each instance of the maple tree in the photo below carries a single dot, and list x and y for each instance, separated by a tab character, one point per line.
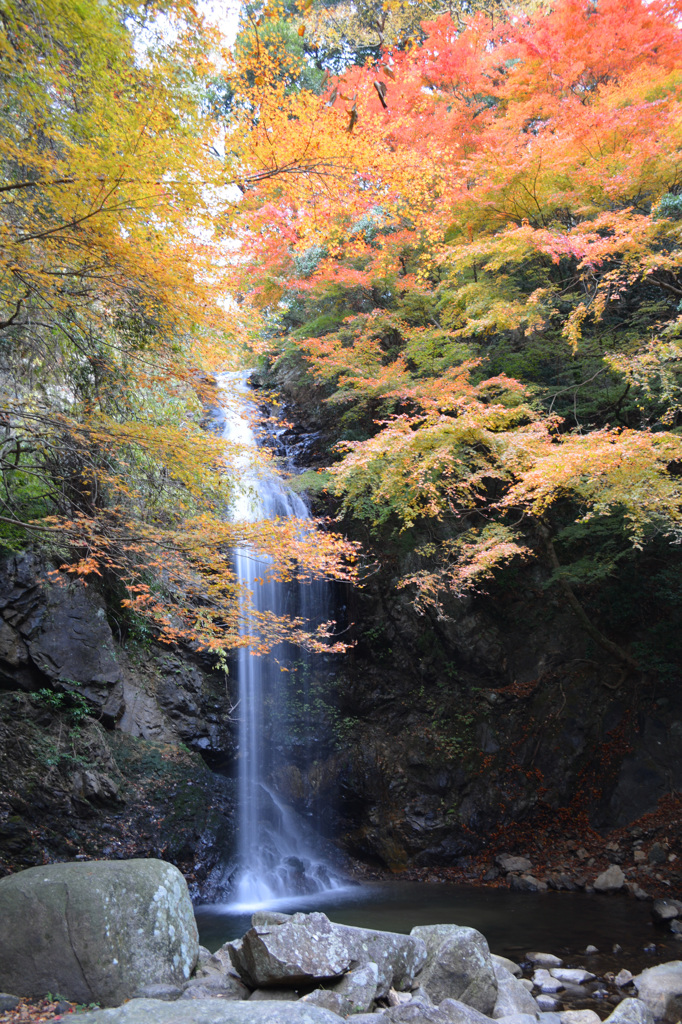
481	268
112	319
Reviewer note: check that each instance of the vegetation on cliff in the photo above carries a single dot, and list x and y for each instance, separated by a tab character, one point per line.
474	258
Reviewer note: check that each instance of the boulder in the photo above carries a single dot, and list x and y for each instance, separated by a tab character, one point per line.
96	931
547	1004
512	997
304	949
166	992
458	966
661	989
610	880
624	977
450	1011
398	957
209	1011
355	993
8	1002
631	1011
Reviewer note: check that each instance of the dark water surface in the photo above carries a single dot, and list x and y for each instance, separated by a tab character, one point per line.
512	922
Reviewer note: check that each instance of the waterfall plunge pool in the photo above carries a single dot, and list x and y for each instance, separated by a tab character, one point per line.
513	922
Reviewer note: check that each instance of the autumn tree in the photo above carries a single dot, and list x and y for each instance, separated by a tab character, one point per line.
484	278
112	318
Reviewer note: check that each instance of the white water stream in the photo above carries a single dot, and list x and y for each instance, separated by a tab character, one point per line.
276	850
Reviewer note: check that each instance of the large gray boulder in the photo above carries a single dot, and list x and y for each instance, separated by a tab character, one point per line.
660	988
398	957
450	1011
631	1011
97	931
458	966
209	1011
304	949
355	993
512	997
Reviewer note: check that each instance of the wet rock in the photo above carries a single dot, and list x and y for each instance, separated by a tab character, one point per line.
544	959
512	997
631	1011
458	965
661	989
611	880
96	931
507	862
624	977
591	950
571	975
355	992
398	957
546	1002
549	1017
209	1011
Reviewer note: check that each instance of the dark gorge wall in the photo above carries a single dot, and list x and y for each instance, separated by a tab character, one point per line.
498	723
104	736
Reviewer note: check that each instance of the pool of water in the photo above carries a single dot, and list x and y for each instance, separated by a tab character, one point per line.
513	922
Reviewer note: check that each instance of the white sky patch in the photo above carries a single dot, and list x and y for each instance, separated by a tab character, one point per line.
224	15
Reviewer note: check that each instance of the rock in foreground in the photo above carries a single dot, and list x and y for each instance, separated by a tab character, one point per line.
210	1011
96	931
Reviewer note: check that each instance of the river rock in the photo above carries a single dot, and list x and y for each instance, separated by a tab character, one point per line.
661	989
631	1011
509	965
96	931
665	910
544	959
518	1018
543	980
398	957
268	917
547	1004
355	992
306	948
209	1011
458	966
571	975
507	862
8	1002
610	880
624	977
512	998
166	992
579	1017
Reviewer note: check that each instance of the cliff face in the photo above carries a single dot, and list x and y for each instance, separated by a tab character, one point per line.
104	744
495	724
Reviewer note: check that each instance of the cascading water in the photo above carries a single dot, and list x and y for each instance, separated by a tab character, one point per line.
276	850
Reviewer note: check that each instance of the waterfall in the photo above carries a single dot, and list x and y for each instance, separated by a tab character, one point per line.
276	848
